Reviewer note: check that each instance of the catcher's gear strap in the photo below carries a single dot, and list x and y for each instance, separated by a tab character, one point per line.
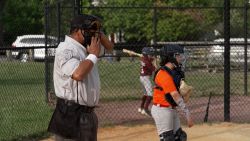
167	136
180	135
182	105
163	68
178	75
170	100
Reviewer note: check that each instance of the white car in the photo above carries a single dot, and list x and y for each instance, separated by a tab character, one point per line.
216	55
33	41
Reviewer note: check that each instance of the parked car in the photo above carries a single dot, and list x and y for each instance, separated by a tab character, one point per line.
216	54
33	41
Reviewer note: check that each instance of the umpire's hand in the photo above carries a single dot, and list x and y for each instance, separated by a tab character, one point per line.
94	47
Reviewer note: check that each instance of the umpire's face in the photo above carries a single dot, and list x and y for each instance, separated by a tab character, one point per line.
88	34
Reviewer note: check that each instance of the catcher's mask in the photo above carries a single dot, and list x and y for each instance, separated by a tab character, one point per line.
173	54
90	24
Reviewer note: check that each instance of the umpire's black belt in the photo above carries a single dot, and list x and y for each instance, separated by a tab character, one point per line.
70	103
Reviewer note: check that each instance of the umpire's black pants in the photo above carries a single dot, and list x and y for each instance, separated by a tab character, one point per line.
83	119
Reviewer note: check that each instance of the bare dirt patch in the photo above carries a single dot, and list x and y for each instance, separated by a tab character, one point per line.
201	132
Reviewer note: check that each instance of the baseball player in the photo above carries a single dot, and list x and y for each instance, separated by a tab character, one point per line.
166	97
146	70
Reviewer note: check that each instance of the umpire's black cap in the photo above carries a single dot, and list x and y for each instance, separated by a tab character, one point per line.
85	22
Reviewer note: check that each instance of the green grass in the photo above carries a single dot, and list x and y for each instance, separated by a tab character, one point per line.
24	111
205	83
25	114
120	80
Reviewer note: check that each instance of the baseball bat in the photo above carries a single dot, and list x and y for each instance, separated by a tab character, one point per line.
207	110
130	52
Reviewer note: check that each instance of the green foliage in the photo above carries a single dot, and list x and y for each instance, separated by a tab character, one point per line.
136	24
188	23
187	3
172	25
22	17
237	23
129	2
131	21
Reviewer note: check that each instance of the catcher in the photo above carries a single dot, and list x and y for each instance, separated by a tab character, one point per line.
167	96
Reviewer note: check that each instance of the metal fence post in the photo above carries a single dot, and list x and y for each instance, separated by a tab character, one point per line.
58	22
154	25
227	60
245	47
46	51
77	7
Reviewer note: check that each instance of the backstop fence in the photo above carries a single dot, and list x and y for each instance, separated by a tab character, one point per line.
219	75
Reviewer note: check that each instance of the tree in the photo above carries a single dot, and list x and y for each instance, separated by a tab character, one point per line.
190	23
132	22
172	24
2	3
22	17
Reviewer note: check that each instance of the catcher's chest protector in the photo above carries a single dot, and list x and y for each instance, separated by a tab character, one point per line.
167	96
169	71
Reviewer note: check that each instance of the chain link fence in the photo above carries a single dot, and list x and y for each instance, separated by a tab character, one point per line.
27	96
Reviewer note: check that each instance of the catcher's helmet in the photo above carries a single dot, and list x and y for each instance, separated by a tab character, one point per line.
148	51
168	54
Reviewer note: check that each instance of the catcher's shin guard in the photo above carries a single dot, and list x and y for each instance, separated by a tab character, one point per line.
180	135
167	136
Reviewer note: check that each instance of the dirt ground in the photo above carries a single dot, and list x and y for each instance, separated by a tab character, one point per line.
201	132
125	115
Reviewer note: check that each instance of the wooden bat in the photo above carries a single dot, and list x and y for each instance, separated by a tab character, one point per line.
130	52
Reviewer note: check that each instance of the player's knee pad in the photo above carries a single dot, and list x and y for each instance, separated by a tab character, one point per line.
167	136
180	135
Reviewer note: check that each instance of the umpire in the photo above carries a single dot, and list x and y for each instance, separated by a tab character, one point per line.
76	80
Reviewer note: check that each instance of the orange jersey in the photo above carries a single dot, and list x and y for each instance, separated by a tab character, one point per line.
165	81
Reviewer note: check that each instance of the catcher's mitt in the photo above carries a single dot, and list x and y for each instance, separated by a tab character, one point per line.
185	91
